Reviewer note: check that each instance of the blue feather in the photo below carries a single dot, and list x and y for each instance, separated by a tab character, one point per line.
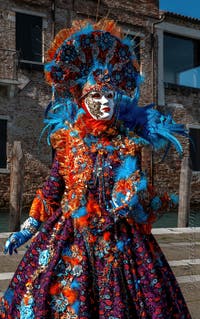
150	124
128	167
142	184
139	214
156	203
133	201
174	199
59	114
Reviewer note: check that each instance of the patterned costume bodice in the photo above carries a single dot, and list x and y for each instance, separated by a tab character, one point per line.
88	167
96	181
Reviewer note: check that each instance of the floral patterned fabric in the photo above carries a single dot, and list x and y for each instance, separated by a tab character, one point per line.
94	257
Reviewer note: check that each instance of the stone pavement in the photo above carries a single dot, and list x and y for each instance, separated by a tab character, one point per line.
181	246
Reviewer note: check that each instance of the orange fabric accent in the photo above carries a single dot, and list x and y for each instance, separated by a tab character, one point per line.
82	221
93	207
54	289
40	211
70	294
106	236
92	239
26	300
72	260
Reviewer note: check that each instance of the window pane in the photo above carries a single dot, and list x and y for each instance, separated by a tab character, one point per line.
181	61
3	139
194	134
29	37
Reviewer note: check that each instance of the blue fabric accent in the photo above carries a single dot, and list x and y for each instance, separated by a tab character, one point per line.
90	139
75	284
79	212
110	148
9	294
76	306
67	251
120	245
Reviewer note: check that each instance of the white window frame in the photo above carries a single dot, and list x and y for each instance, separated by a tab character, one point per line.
174	29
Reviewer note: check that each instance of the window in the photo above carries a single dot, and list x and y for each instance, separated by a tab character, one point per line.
29	37
3	140
194	133
181	60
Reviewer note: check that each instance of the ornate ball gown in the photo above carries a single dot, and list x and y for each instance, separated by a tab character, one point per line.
90	259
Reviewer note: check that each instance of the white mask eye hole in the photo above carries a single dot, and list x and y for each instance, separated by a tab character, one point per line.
110	95
96	95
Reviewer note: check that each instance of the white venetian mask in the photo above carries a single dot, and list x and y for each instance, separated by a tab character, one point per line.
100	104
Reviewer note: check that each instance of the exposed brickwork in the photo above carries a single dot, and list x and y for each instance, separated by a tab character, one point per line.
189	113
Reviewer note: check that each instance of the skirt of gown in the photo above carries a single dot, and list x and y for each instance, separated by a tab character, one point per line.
116	274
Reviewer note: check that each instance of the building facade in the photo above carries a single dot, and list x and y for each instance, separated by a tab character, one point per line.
27	28
178	92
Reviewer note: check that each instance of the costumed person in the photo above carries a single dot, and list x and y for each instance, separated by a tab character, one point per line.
94	256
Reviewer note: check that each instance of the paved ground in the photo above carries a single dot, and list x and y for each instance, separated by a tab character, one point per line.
180	245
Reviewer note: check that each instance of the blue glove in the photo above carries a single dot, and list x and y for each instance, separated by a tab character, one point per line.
29	228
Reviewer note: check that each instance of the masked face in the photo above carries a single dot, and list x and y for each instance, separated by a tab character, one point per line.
100	105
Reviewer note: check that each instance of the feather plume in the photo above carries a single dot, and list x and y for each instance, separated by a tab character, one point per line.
128	167
139	215
156	128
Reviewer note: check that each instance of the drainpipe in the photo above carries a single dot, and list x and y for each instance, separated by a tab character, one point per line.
154	91
162	18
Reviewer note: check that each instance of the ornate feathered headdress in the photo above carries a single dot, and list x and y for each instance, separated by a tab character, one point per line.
89	56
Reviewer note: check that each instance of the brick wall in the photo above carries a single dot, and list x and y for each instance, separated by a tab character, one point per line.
26	108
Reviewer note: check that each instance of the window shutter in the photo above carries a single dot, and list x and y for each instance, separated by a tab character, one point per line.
3	140
29	37
194	134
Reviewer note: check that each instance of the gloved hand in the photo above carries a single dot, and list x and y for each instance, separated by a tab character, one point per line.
29	228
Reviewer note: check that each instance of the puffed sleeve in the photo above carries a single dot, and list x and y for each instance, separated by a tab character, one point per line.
48	198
